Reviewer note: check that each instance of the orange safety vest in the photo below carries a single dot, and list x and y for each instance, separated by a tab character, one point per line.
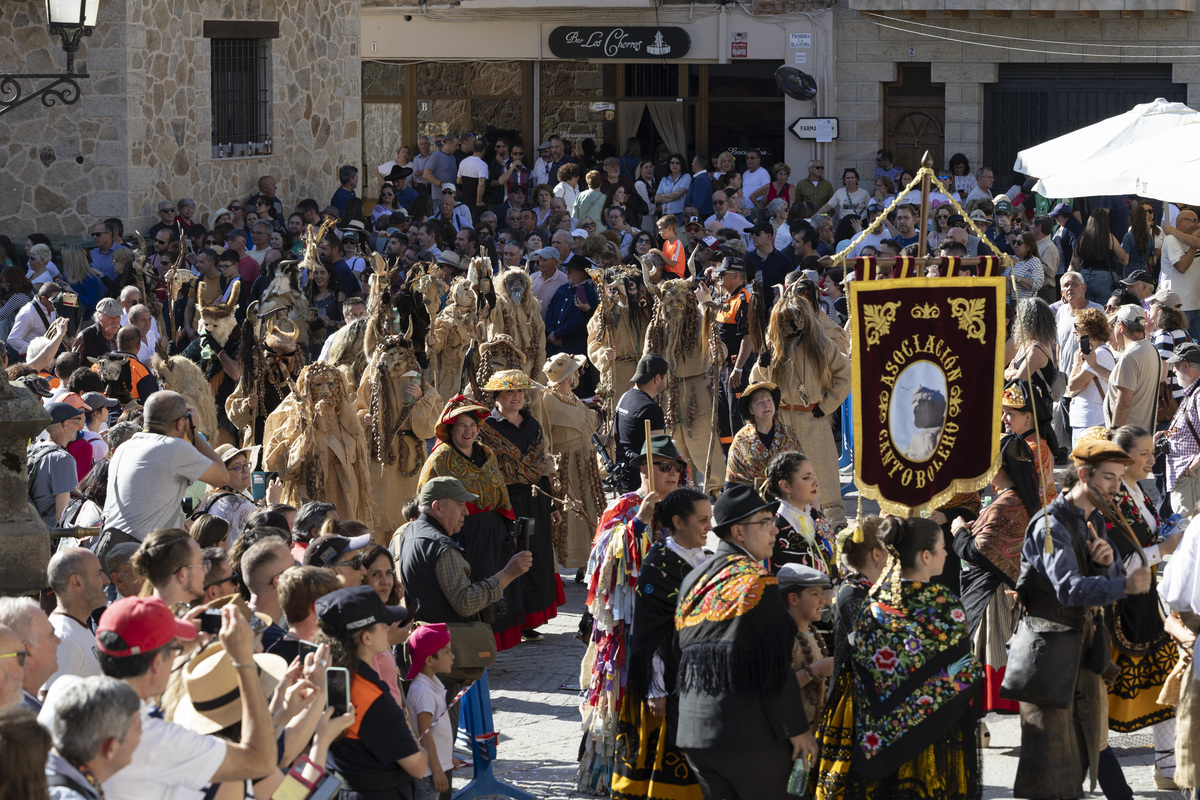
137	371
729	311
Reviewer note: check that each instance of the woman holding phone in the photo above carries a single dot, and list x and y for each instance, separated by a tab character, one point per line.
379	757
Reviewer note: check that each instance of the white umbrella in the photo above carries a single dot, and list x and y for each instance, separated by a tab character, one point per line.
1064	164
1165	166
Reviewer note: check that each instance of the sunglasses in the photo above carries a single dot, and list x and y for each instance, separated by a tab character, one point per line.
354	563
233	578
668	466
235	208
96	235
166	211
818	168
19	656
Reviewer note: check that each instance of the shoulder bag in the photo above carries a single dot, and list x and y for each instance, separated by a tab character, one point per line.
1043	662
474	648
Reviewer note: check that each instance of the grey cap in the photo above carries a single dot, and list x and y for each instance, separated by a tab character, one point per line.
110	307
444	488
97	400
119	555
546	252
798	575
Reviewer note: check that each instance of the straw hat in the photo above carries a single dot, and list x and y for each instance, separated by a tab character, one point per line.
561	365
213	701
508	380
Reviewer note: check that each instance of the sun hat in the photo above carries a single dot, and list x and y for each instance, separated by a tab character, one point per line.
508	380
213	699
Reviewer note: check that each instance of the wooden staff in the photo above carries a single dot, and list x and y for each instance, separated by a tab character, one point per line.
649	459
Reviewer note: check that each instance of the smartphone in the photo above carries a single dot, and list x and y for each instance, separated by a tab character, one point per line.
337	690
306	648
524	530
1085	344
258	485
580	294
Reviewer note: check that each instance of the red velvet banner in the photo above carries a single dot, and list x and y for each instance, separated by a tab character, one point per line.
928	371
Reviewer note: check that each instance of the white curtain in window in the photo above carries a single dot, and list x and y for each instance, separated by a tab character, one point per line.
668	118
629	117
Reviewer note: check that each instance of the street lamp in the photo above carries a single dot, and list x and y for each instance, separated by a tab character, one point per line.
71	20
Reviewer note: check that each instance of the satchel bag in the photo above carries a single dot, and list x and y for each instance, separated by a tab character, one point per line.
1167	404
1043	663
474	648
1173	685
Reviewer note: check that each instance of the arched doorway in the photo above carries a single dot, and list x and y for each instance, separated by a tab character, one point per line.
915	118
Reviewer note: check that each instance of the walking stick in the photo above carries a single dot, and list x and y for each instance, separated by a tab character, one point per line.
649	459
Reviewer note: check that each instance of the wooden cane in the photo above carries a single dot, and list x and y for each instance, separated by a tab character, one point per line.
649	459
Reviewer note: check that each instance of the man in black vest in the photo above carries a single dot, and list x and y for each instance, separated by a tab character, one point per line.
634	408
432	565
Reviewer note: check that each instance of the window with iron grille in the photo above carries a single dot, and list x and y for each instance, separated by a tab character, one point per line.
241	96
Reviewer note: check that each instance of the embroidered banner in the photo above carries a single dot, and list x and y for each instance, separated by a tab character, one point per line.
928	370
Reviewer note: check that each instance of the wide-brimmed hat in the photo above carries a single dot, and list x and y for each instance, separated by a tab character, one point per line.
398	173
736	504
561	366
449	258
661	446
213	700
457	405
354	226
508	380
228	452
748	392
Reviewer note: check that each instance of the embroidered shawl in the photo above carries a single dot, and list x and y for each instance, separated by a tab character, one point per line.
482	479
748	458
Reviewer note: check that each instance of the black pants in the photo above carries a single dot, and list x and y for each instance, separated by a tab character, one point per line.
743	775
729	419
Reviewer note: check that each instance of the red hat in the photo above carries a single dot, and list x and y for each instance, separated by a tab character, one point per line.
426	641
144	623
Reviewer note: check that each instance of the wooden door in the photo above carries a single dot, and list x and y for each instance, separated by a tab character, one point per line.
915	117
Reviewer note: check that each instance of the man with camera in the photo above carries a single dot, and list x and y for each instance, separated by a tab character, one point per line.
1181	439
151	472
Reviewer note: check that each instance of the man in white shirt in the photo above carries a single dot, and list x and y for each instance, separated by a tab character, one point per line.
547	277
726	217
1178	275
141	318
984	178
755	177
541	167
34	318
78	581
473	178
138	639
1043	232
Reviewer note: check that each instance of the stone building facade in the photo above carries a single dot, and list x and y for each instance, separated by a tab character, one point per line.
142	130
989	77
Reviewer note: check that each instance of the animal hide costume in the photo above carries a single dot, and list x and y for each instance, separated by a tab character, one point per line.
453	331
316	443
684	334
179	374
270	366
621	326
219	333
284	299
399	427
518	317
812	374
568	426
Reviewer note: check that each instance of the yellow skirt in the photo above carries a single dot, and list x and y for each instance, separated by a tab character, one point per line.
645	765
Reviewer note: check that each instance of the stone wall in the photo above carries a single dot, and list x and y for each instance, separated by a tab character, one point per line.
867	55
142	131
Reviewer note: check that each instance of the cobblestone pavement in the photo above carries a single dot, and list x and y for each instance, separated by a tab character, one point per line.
535	702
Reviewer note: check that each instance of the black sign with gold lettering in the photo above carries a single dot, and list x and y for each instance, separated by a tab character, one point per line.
928	370
622	43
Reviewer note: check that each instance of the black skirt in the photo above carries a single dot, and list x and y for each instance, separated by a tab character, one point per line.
541	587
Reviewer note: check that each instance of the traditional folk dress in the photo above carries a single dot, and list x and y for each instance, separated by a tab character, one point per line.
809	648
1179	588
648	764
751	451
626	341
521	455
835	732
612	573
799	382
805	537
1044	461
1143	651
991	549
569	425
485	537
914	679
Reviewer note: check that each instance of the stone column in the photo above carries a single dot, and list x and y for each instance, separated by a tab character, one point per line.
964	110
24	540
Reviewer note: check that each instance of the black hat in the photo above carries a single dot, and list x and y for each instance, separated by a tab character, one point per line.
399	173
955	219
762	227
661	446
36	384
735	504
651	365
357	608
324	551
1188	351
744	400
1138	275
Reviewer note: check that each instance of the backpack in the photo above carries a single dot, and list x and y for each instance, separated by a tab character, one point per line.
36	454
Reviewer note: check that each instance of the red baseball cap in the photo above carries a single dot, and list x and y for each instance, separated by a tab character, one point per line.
144	623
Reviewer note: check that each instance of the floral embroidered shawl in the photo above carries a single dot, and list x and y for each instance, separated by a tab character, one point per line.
914	674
